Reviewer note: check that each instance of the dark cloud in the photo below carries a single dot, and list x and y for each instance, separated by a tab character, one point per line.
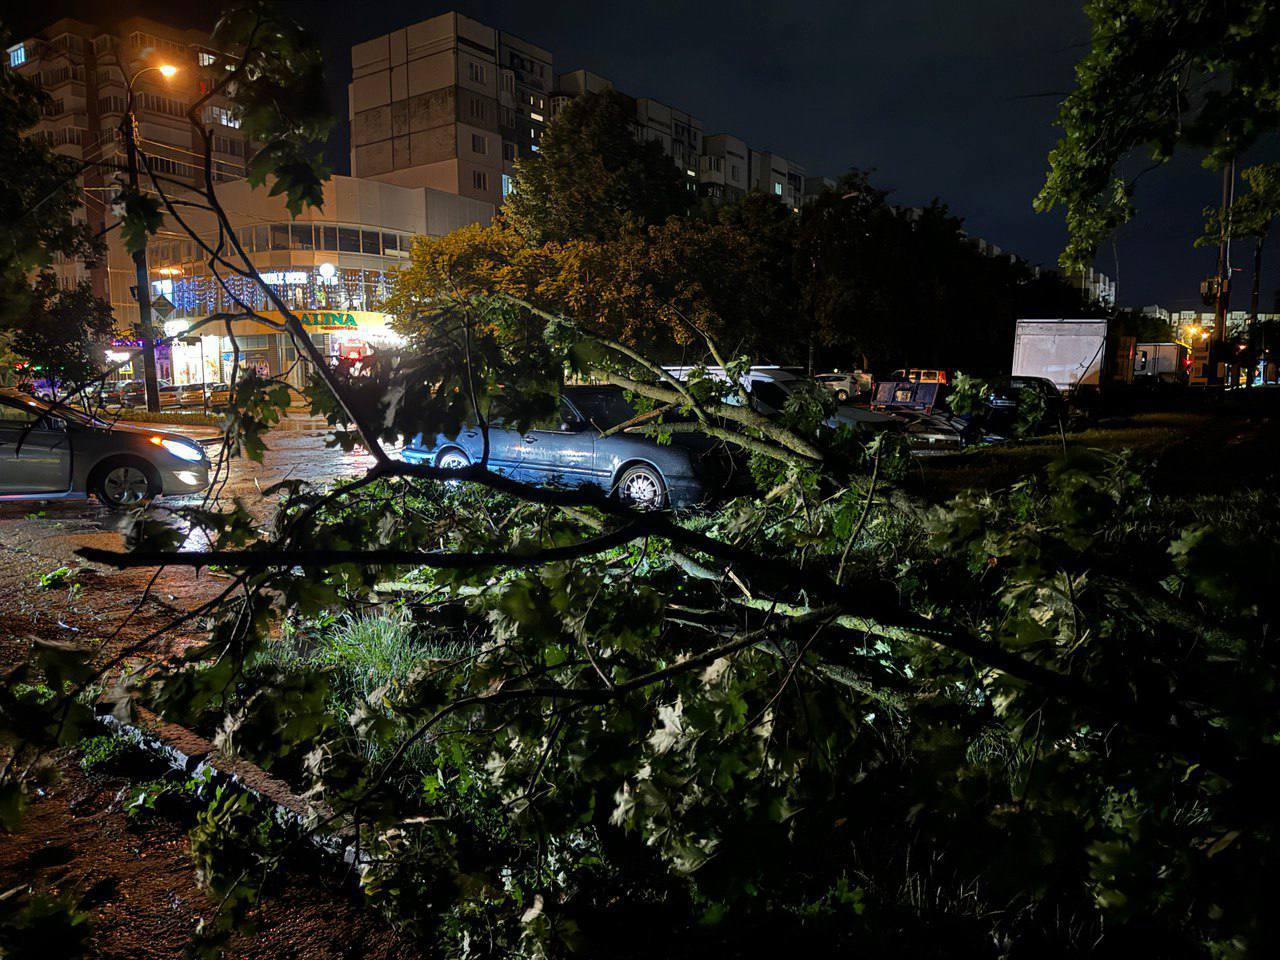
943	98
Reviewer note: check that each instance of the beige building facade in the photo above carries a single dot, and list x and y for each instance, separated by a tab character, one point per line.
448	103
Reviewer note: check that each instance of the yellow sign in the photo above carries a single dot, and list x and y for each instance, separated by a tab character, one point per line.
352	321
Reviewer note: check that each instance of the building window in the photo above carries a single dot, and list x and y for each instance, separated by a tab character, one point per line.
348	240
370	242
302	236
476	72
508	150
479	180
777	189
479	144
221	115
206	59
478	111
508	187
279	236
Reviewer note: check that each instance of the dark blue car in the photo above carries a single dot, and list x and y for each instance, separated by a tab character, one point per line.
573	453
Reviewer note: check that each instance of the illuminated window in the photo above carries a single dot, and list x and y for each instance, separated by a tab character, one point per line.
17	55
508	187
206	59
777	189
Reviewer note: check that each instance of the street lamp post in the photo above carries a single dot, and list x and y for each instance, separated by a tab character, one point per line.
145	331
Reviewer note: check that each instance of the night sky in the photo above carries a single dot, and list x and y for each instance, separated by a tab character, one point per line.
940	98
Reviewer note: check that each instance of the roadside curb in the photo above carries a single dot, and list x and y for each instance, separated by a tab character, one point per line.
192	755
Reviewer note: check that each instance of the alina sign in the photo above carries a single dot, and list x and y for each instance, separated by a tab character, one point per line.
325	320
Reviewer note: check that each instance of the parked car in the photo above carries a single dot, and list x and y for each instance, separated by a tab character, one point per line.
573	452
919	375
203	394
113	391
769	389
896	396
52	452
846	386
136	395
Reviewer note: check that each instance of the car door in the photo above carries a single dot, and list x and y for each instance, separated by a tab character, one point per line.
504	446
35	452
563	455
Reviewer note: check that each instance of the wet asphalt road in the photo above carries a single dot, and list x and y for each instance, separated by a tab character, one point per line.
47	533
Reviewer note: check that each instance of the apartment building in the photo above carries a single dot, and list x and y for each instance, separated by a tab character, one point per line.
678	133
85	69
448	103
724	169
527	81
776	175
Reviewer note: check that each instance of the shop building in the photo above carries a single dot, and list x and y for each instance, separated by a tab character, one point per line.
333	266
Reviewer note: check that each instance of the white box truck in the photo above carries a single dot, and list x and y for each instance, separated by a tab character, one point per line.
1167	362
1071	353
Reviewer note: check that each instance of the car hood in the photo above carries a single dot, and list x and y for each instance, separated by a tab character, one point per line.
855	415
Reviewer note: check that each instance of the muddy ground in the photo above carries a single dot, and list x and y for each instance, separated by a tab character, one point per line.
137	878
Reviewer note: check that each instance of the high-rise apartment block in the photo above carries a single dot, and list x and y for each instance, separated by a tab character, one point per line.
453	104
448	103
85	69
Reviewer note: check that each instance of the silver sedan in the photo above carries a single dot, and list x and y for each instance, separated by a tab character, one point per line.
52	452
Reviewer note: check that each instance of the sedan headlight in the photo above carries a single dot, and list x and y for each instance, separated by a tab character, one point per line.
180	448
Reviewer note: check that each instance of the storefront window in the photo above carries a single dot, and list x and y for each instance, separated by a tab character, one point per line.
329	240
279	236
261	239
303	236
370	242
348	240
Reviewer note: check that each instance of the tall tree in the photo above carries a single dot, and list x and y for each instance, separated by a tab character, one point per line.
591	177
1159	74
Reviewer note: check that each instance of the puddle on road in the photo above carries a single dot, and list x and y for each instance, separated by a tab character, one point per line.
294	451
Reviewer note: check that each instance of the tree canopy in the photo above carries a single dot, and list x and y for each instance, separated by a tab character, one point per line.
1159	74
591	178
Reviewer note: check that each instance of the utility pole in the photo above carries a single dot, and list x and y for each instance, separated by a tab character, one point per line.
1258	241
129	127
1223	292
142	277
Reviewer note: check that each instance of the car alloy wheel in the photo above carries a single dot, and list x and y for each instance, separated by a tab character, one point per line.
125	485
641	487
453	460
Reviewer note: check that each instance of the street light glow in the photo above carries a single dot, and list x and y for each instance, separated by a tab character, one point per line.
167	70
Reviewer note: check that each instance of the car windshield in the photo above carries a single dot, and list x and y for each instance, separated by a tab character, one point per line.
603	408
770	392
61	410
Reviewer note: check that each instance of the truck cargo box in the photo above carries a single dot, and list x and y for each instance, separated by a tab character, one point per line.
1071	353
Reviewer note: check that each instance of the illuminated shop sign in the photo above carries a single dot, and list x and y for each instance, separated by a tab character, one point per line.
326	320
365	321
